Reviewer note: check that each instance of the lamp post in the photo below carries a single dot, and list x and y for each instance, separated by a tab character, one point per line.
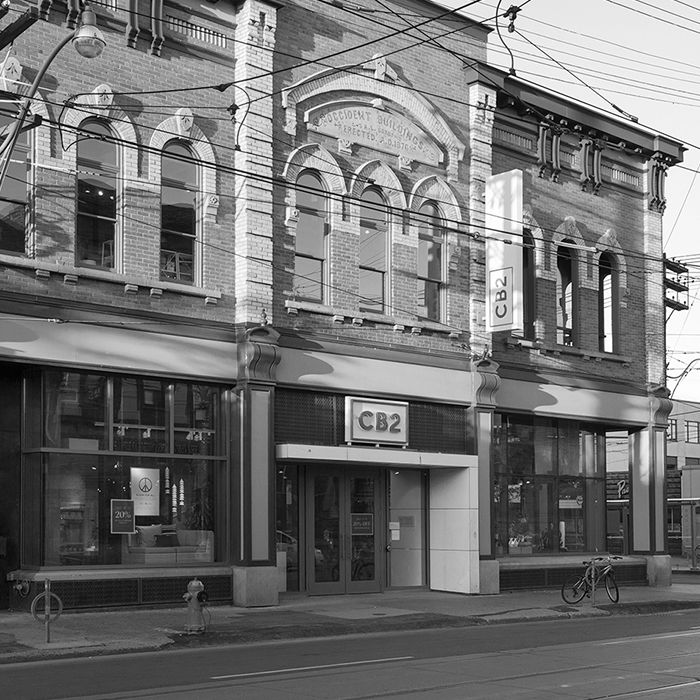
88	42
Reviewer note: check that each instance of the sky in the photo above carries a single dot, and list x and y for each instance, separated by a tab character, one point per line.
643	57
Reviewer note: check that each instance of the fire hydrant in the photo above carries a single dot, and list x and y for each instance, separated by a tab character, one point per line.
196	598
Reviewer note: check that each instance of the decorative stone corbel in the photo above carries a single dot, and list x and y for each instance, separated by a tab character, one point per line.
258	355
591	157
549	132
185	121
657	182
660	403
487	381
10	73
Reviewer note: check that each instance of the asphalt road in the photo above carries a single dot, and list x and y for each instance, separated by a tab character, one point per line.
651	656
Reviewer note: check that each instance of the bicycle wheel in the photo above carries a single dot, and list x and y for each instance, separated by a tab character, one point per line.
611	588
573	589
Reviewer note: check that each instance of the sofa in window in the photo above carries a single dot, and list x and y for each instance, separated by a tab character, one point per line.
153	545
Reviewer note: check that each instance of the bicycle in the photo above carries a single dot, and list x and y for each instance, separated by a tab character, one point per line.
599	571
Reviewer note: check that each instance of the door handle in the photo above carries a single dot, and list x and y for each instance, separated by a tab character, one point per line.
388	548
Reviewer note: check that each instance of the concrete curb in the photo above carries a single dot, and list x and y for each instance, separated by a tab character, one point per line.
316	627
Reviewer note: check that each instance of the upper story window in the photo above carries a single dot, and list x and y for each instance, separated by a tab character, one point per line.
374	225
178	209
431	263
311	239
566	296
607	303
14	194
97	166
672	430
529	296
692	431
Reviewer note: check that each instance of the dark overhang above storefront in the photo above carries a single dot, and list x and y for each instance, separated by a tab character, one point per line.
542	105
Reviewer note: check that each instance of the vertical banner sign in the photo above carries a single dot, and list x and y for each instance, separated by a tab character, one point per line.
145	490
122	517
504	252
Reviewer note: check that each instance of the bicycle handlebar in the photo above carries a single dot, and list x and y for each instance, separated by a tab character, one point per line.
609	557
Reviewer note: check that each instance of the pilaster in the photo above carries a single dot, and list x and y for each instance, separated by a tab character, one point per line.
482	101
252	94
258	357
486	383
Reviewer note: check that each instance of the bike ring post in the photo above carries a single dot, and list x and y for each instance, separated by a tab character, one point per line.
49	615
593	578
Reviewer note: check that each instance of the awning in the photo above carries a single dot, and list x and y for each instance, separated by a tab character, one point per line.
130	349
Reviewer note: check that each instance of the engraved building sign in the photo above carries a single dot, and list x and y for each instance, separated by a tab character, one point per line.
377	128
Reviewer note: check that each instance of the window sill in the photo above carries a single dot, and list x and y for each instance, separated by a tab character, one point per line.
556	349
358	318
131	283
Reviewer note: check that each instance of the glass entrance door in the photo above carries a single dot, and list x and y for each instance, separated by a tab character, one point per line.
345	526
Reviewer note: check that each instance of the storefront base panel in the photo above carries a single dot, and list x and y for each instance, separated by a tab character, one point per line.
255	586
85	592
515	576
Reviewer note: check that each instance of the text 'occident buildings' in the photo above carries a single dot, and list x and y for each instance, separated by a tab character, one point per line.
293	298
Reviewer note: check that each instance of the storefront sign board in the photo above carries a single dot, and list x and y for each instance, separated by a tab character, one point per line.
376	422
376	127
145	490
504	251
362	523
122	516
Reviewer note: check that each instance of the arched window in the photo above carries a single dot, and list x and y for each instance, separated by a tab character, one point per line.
566	296
178	213
608	303
312	231
431	270
529	295
14	194
97	167
373	250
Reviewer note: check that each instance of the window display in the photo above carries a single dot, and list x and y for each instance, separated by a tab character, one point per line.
548	486
106	431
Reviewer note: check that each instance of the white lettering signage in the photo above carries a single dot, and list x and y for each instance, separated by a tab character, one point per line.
504	251
377	128
378	422
145	490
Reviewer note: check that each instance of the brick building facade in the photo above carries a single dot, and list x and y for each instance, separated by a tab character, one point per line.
250	311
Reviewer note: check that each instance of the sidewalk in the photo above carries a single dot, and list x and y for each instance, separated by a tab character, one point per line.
90	633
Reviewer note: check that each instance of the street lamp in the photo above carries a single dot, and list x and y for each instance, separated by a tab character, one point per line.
88	42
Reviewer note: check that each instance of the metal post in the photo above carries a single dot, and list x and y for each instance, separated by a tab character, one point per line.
47	609
693	555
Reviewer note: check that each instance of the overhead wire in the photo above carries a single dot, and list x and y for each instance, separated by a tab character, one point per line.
630	255
430	39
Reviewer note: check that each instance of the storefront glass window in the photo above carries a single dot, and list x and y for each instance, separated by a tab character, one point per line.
287	523
107	429
139	415
75	410
542	503
174	500
196	416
